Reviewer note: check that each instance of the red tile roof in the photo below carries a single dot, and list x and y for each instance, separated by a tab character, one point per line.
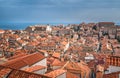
24	61
23	74
112	75
15	63
34	68
55	62
79	68
55	73
113	60
57	55
17	56
99	75
4	71
2	31
64	43
70	75
13	73
33	58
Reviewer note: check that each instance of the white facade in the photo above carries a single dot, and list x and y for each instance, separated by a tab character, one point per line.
7	39
109	46
66	46
45	54
49	29
0	54
89	58
23	44
42	71
75	36
18	38
42	62
62	76
56	67
33	28
113	69
12	32
83	40
24	67
19	48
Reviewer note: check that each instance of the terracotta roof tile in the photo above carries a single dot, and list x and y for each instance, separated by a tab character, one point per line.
23	74
20	41
16	63
33	58
17	56
13	73
79	68
55	62
4	72
64	43
24	61
112	75
55	73
57	55
99	75
70	75
34	68
2	31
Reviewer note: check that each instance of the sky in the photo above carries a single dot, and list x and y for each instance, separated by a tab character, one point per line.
59	11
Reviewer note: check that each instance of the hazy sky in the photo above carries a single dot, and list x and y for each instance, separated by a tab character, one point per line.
59	11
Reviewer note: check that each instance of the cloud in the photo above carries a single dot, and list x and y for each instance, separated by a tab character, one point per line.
59	10
61	3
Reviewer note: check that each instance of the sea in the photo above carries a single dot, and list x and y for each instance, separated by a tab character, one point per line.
22	26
